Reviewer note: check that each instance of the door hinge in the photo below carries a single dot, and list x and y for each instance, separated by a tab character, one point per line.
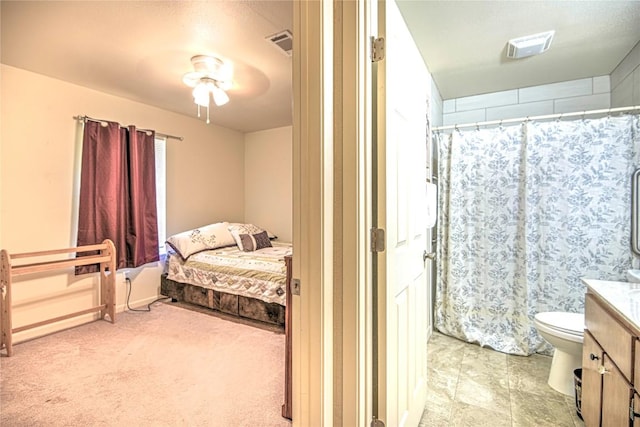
376	422
377	240
377	49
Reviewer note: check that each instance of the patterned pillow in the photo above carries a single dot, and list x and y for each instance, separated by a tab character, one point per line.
237	229
201	239
253	242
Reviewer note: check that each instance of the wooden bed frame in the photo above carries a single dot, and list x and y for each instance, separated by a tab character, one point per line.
106	258
243	307
234	305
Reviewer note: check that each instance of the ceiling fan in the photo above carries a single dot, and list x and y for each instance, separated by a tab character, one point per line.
211	76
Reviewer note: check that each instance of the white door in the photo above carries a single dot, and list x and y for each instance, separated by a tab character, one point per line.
403	88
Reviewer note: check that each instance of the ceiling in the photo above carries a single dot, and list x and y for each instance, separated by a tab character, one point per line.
463	42
141	49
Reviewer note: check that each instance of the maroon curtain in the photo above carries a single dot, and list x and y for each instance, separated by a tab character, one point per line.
118	193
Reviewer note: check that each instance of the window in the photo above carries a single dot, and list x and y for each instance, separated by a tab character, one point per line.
161	192
111	202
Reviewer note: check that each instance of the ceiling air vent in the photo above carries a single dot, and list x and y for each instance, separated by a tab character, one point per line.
529	45
283	41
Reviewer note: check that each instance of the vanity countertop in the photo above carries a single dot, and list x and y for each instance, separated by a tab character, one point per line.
622	297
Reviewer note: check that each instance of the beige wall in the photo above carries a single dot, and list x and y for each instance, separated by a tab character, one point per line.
38	182
268	181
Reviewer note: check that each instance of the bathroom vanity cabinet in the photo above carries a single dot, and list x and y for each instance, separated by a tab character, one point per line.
636	381
610	359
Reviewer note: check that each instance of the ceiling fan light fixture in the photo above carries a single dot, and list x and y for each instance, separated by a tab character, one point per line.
210	79
220	97
201	94
206	64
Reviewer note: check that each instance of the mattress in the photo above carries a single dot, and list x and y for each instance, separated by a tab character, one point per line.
259	274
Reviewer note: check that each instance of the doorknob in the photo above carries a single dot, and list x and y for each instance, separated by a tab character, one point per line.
430	255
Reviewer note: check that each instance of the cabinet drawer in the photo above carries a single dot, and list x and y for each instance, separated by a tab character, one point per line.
614	338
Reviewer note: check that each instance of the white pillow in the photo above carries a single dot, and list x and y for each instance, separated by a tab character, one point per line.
210	236
249	228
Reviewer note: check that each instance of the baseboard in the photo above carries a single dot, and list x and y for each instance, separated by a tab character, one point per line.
52	328
73	322
141	303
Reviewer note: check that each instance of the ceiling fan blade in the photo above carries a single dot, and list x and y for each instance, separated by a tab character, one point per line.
192	78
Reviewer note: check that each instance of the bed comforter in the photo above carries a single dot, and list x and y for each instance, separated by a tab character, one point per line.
260	274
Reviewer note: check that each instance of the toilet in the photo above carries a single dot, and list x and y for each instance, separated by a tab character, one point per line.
565	332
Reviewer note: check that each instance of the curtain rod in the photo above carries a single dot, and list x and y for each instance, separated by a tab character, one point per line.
163	135
544	117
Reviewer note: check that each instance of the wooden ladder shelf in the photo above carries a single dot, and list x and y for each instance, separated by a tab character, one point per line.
106	258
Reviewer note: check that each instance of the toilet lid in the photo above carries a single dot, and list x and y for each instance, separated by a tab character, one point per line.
572	323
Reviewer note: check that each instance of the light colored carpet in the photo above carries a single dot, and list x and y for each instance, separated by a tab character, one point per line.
168	367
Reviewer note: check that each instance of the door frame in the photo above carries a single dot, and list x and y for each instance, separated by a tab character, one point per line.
312	310
331	214
353	209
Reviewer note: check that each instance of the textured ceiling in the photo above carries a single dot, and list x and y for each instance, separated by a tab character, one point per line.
140	49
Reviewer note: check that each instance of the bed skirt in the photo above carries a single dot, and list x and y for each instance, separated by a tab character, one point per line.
235	305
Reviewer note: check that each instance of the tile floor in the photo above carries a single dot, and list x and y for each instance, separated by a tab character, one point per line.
473	386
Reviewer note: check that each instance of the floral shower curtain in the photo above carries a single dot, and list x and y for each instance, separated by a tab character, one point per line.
526	212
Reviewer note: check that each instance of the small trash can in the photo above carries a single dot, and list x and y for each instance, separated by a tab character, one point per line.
577	380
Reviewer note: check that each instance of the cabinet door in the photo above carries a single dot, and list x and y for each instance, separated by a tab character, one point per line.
611	335
616	396
592	356
636	382
636	369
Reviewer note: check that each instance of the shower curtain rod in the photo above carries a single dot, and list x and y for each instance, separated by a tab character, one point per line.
544	117
163	135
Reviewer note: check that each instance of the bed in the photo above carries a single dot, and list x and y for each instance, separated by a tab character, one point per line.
235	268
251	285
